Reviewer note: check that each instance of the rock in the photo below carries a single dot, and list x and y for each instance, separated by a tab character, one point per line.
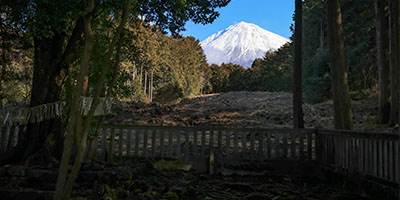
258	196
170	196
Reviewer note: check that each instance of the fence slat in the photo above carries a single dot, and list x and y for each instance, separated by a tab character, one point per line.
153	143
219	149
195	144
128	142
362	155
162	143
368	156
235	143
228	144
301	147
120	139
145	138
380	158
375	158
390	159
203	144
104	142
244	144
4	137
352	154
261	145
170	143
111	145
252	145
178	144
187	145
293	145
396	161
211	141
269	148
137	138
309	145
277	143
11	136
284	146
385	159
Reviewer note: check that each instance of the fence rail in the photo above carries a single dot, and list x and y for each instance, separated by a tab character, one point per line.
197	143
369	154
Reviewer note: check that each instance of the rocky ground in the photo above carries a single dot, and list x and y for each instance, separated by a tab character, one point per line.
138	179
241	109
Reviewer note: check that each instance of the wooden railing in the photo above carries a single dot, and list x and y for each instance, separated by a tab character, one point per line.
370	154
198	143
373	155
9	136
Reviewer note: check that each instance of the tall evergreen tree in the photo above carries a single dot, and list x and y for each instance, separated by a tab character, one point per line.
394	39
298	121
382	42
341	98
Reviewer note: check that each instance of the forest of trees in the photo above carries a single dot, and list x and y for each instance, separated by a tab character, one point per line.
62	50
152	55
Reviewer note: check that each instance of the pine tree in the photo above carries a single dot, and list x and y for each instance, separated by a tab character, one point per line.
298	121
382	42
341	98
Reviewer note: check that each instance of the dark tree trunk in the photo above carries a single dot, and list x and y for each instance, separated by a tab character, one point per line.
44	90
44	139
382	42
341	98
298	121
394	61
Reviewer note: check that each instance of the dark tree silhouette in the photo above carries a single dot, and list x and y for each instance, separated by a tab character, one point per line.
298	121
382	42
341	98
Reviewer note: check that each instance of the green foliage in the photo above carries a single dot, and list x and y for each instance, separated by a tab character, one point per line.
272	73
359	39
174	14
276	71
317	84
227	77
177	65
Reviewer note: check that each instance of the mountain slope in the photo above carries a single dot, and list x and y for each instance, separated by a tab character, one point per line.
240	44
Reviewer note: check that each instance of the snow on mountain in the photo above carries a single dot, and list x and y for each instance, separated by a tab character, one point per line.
240	44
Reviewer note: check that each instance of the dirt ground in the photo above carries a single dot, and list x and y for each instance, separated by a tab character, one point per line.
138	179
242	109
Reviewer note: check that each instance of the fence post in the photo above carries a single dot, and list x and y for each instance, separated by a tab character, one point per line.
309	145
252	146
162	133
110	146
228	143
195	144
128	144
261	145
187	144
120	141
153	143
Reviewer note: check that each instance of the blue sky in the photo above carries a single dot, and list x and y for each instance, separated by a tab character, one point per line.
272	15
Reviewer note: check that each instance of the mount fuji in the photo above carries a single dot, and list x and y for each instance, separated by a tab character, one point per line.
241	44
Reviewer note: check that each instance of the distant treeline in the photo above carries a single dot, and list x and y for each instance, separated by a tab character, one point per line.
158	67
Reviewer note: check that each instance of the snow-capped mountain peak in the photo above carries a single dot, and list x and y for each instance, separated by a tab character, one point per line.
240	43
